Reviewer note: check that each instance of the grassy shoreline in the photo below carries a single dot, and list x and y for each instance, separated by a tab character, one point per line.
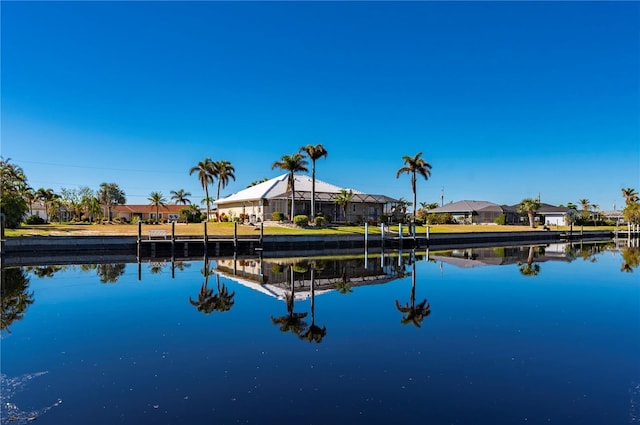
227	229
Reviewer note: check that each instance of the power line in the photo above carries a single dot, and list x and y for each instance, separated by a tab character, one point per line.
92	167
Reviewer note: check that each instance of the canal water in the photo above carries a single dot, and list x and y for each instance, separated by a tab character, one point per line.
505	335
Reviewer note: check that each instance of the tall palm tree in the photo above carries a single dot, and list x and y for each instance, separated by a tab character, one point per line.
314	152
157	200
180	196
223	171
343	198
630	195
292	163
414	166
529	206
205	176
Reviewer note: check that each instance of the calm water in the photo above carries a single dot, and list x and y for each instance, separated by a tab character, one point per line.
498	336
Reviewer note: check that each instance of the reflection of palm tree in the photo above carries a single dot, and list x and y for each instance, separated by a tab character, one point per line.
530	269
630	258
207	302
343	285
292	321
14	297
413	313
110	273
314	333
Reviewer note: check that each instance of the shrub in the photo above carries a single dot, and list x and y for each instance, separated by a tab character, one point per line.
443	218
501	219
277	268
319	221
277	215
34	219
301	220
372	222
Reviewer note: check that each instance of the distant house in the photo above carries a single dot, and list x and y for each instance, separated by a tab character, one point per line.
470	212
260	201
146	212
552	215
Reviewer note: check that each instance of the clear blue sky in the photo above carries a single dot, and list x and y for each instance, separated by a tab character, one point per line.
505	100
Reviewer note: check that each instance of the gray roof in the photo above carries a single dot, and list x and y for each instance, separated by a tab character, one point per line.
278	188
467	207
551	209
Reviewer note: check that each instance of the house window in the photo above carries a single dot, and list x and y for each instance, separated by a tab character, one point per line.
354	207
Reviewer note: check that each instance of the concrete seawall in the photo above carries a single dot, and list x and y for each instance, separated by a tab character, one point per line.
128	246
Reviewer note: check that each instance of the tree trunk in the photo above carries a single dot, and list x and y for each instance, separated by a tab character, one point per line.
532	222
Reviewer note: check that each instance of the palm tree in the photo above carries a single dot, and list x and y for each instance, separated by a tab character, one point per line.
630	195
414	166
180	196
413	313
343	198
314	152
46	196
292	163
157	200
30	196
529	206
224	171
205	176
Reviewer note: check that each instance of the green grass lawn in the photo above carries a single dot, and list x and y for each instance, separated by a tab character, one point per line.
227	229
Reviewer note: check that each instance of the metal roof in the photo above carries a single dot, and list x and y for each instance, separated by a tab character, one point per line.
278	188
467	207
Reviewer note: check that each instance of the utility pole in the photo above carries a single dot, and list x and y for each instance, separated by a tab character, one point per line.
442	197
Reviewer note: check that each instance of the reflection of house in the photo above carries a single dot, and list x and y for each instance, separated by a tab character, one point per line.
260	201
146	212
480	212
499	256
274	277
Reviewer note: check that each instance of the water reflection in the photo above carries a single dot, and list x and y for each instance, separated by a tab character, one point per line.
630	259
291	322
15	296
207	302
412	312
487	338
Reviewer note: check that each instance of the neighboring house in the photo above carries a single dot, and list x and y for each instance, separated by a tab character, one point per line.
552	215
470	212
260	201
38	208
146	212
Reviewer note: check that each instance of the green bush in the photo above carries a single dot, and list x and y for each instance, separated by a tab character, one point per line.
443	218
277	216
277	268
501	219
301	220
34	219
320	221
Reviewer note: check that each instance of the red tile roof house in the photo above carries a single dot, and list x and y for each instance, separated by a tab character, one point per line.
146	212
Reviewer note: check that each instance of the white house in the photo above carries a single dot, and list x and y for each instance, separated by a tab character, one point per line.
257	203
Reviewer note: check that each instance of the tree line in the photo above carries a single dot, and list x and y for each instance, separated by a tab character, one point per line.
85	204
